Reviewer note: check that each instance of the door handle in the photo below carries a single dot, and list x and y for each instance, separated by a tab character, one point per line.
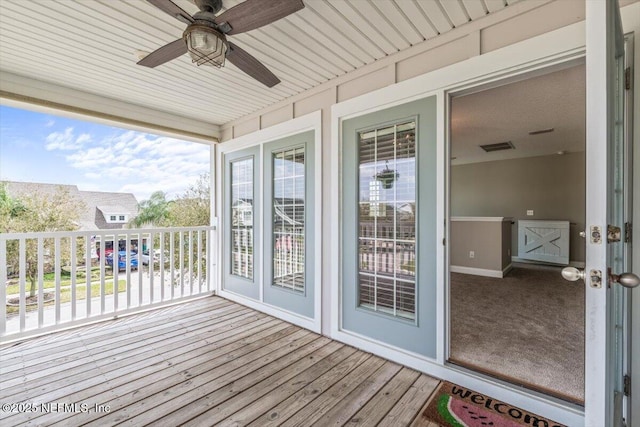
572	274
628	280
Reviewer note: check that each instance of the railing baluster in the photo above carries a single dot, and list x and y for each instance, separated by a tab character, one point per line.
87	272
23	274
171	261
181	263
140	284
161	266
199	258
190	248
102	278
74	262
40	282
151	267
57	273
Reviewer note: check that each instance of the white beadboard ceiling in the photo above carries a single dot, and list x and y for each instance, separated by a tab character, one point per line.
91	45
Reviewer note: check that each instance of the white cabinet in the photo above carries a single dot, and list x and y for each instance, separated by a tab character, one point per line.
546	241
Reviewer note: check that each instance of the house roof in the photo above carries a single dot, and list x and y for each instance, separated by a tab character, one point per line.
95	202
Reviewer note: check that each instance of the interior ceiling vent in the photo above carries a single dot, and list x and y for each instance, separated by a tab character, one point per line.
497	147
538	132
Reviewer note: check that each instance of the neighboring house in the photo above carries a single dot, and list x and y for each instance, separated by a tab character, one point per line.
103	210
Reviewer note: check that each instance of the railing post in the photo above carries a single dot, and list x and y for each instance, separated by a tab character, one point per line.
3	286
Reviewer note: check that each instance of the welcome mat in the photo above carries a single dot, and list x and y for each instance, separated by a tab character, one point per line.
456	406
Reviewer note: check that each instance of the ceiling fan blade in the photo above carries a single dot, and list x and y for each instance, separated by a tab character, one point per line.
172	9
252	14
250	65
165	54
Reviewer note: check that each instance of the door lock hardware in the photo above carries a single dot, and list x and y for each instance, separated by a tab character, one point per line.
583	234
628	232
596	278
573	274
628	280
614	234
596	234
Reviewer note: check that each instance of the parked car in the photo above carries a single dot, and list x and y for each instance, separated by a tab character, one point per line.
144	257
122	260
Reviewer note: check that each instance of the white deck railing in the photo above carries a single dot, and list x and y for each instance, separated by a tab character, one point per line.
53	280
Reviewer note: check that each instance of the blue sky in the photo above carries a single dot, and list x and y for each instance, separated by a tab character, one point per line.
39	147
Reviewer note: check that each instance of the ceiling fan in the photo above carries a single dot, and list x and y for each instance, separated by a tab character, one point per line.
205	36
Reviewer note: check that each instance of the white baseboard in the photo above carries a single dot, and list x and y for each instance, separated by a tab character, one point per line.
314	325
578	264
480	271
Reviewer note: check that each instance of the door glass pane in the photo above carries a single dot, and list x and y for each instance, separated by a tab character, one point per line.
386	219
288	218
242	218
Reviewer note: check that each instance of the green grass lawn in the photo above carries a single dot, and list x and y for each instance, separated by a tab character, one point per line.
65	279
81	294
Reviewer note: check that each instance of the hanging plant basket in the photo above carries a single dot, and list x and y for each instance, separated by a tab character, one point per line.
387	177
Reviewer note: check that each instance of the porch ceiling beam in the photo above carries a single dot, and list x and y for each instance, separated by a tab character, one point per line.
23	92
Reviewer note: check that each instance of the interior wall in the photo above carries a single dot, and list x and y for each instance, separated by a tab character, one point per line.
552	186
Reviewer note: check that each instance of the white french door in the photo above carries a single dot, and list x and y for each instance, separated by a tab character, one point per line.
389	230
269	204
608	187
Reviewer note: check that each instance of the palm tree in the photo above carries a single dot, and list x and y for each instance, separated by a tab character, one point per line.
152	212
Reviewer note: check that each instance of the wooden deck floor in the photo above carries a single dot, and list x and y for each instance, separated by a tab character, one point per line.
206	362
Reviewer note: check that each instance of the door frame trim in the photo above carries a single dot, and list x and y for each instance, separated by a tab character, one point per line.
311	121
553	48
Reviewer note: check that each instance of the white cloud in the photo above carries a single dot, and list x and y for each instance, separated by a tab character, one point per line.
140	163
66	140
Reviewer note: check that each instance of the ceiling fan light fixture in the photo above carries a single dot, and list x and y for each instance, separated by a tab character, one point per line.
205	45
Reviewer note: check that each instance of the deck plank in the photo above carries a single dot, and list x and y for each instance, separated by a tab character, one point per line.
259	406
409	406
287	408
327	400
48	370
155	378
358	397
159	399
71	350
204	362
378	407
66	380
